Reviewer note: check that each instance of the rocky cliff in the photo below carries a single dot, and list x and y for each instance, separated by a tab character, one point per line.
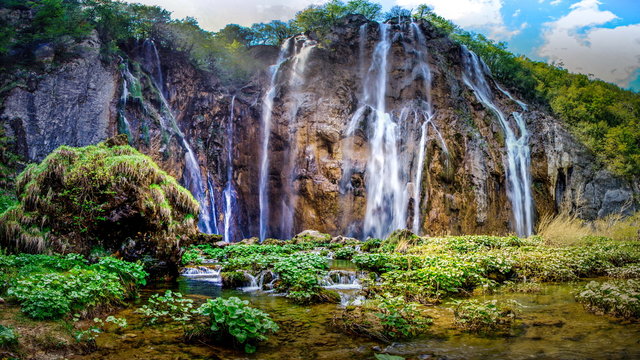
370	128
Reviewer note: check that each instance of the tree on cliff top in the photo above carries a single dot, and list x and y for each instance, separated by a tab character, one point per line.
107	196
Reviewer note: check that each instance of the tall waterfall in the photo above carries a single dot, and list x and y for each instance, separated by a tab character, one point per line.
518	153
229	190
296	50
267	109
191	177
395	166
386	192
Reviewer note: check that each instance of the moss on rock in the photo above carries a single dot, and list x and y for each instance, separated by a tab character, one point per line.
107	195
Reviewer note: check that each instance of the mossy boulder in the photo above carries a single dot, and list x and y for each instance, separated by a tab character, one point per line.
107	196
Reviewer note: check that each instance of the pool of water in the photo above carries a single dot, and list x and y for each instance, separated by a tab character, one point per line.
551	326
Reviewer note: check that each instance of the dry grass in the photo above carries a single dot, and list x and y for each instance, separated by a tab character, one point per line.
567	230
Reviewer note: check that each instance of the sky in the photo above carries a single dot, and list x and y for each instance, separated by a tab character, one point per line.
600	38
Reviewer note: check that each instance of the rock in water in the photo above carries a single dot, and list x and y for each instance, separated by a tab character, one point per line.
107	195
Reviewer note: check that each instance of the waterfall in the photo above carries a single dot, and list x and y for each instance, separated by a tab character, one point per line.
395	167
386	192
229	190
301	47
191	177
267	108
518	153
124	127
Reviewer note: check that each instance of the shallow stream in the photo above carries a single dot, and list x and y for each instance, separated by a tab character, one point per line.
551	326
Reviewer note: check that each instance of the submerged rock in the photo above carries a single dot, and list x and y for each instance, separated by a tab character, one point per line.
107	196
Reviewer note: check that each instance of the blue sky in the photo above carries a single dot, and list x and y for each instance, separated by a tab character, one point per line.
598	37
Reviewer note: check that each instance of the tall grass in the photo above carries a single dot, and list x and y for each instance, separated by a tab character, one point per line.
567	230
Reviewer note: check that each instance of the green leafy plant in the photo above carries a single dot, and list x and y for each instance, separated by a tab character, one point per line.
476	316
171	306
620	298
233	318
8	337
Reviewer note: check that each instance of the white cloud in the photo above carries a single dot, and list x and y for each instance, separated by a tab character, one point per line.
215	14
483	15
516	13
555	2
580	42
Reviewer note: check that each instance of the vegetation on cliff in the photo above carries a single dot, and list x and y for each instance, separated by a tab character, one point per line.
106	196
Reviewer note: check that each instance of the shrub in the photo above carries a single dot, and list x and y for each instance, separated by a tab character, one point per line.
626	272
168	307
475	316
345	253
8	337
233	318
385	318
620	298
300	276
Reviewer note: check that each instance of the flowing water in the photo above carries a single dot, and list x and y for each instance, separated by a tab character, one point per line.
518	162
294	51
191	176
267	114
395	165
229	190
551	326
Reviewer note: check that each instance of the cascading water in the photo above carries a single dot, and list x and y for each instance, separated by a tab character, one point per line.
267	108
302	49
386	192
297	49
518	153
229	190
191	177
125	125
395	156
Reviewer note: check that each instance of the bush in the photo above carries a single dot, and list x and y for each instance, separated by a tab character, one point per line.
626	272
233	318
8	337
345	253
50	287
620	298
300	276
475	316
386	318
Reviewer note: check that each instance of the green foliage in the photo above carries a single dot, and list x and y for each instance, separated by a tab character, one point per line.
300	276
233	318
345	253
53	295
631	271
475	316
168	307
50	287
385	318
620	298
320	18
8	337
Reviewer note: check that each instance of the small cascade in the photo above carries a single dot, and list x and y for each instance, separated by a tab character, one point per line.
124	127
342	280
518	162
191	177
229	190
264	280
203	273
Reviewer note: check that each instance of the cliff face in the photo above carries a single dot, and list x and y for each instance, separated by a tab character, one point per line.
365	127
